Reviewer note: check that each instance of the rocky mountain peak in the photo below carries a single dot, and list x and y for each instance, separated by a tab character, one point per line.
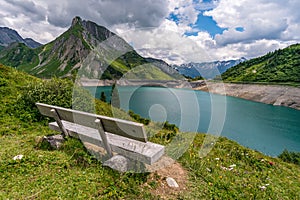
9	36
76	20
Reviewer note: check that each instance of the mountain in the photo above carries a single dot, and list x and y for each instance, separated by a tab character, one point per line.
8	36
165	67
207	70
282	65
96	51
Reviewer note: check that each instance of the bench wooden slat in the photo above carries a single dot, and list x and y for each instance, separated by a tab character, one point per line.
146	152
120	127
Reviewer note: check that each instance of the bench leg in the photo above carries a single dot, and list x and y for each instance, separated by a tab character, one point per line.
103	137
60	124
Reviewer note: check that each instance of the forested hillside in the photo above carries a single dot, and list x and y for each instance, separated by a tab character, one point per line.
280	66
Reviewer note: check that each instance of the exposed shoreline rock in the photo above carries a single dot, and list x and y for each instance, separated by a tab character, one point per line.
276	95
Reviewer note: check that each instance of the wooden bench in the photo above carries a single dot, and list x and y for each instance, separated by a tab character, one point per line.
114	135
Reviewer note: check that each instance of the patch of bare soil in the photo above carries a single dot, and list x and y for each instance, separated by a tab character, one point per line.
157	181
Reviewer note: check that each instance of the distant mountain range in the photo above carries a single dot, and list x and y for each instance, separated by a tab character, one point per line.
103	54
207	70
100	53
280	66
8	36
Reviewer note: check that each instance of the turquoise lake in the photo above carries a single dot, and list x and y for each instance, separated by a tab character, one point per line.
266	128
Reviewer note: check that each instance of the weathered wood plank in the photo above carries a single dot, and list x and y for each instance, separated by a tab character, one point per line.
103	137
146	152
120	127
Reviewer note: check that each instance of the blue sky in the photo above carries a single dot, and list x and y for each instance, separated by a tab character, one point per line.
177	31
205	23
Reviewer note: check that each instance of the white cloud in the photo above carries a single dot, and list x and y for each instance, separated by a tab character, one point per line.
165	42
28	17
261	19
267	24
184	10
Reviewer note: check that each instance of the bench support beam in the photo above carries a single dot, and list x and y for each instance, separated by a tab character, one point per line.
103	137
60	124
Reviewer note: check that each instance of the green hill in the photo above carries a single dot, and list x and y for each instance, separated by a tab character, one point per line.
19	55
71	173
280	66
96	51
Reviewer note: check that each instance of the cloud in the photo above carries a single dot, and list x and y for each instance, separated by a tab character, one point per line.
260	19
44	20
165	42
26	8
265	25
184	10
146	13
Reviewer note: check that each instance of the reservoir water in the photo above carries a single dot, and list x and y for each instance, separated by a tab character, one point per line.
266	128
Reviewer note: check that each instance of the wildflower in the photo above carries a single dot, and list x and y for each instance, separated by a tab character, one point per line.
271	163
18	157
217	158
262	187
232	166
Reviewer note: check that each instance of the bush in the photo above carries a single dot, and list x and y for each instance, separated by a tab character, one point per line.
58	92
171	127
103	97
291	157
138	118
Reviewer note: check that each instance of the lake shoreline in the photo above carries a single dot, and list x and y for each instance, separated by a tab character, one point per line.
277	95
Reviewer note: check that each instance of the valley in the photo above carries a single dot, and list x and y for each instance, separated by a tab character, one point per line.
234	165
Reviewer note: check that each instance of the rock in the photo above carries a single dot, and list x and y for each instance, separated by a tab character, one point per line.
55	141
171	182
117	162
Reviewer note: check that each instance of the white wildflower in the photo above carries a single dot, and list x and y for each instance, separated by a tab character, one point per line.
18	157
232	166
262	187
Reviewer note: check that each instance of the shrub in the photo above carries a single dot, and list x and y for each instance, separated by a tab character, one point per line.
291	157
138	118
103	97
59	92
170	127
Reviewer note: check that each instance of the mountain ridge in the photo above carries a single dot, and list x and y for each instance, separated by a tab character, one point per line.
111	56
9	36
207	70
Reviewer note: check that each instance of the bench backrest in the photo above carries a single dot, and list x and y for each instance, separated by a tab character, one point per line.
116	126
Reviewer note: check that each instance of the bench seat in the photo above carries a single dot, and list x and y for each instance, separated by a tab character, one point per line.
146	152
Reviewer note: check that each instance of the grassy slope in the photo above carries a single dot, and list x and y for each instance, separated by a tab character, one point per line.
281	66
71	173
19	55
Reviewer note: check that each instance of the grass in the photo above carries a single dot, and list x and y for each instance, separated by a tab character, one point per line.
72	173
280	66
253	175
